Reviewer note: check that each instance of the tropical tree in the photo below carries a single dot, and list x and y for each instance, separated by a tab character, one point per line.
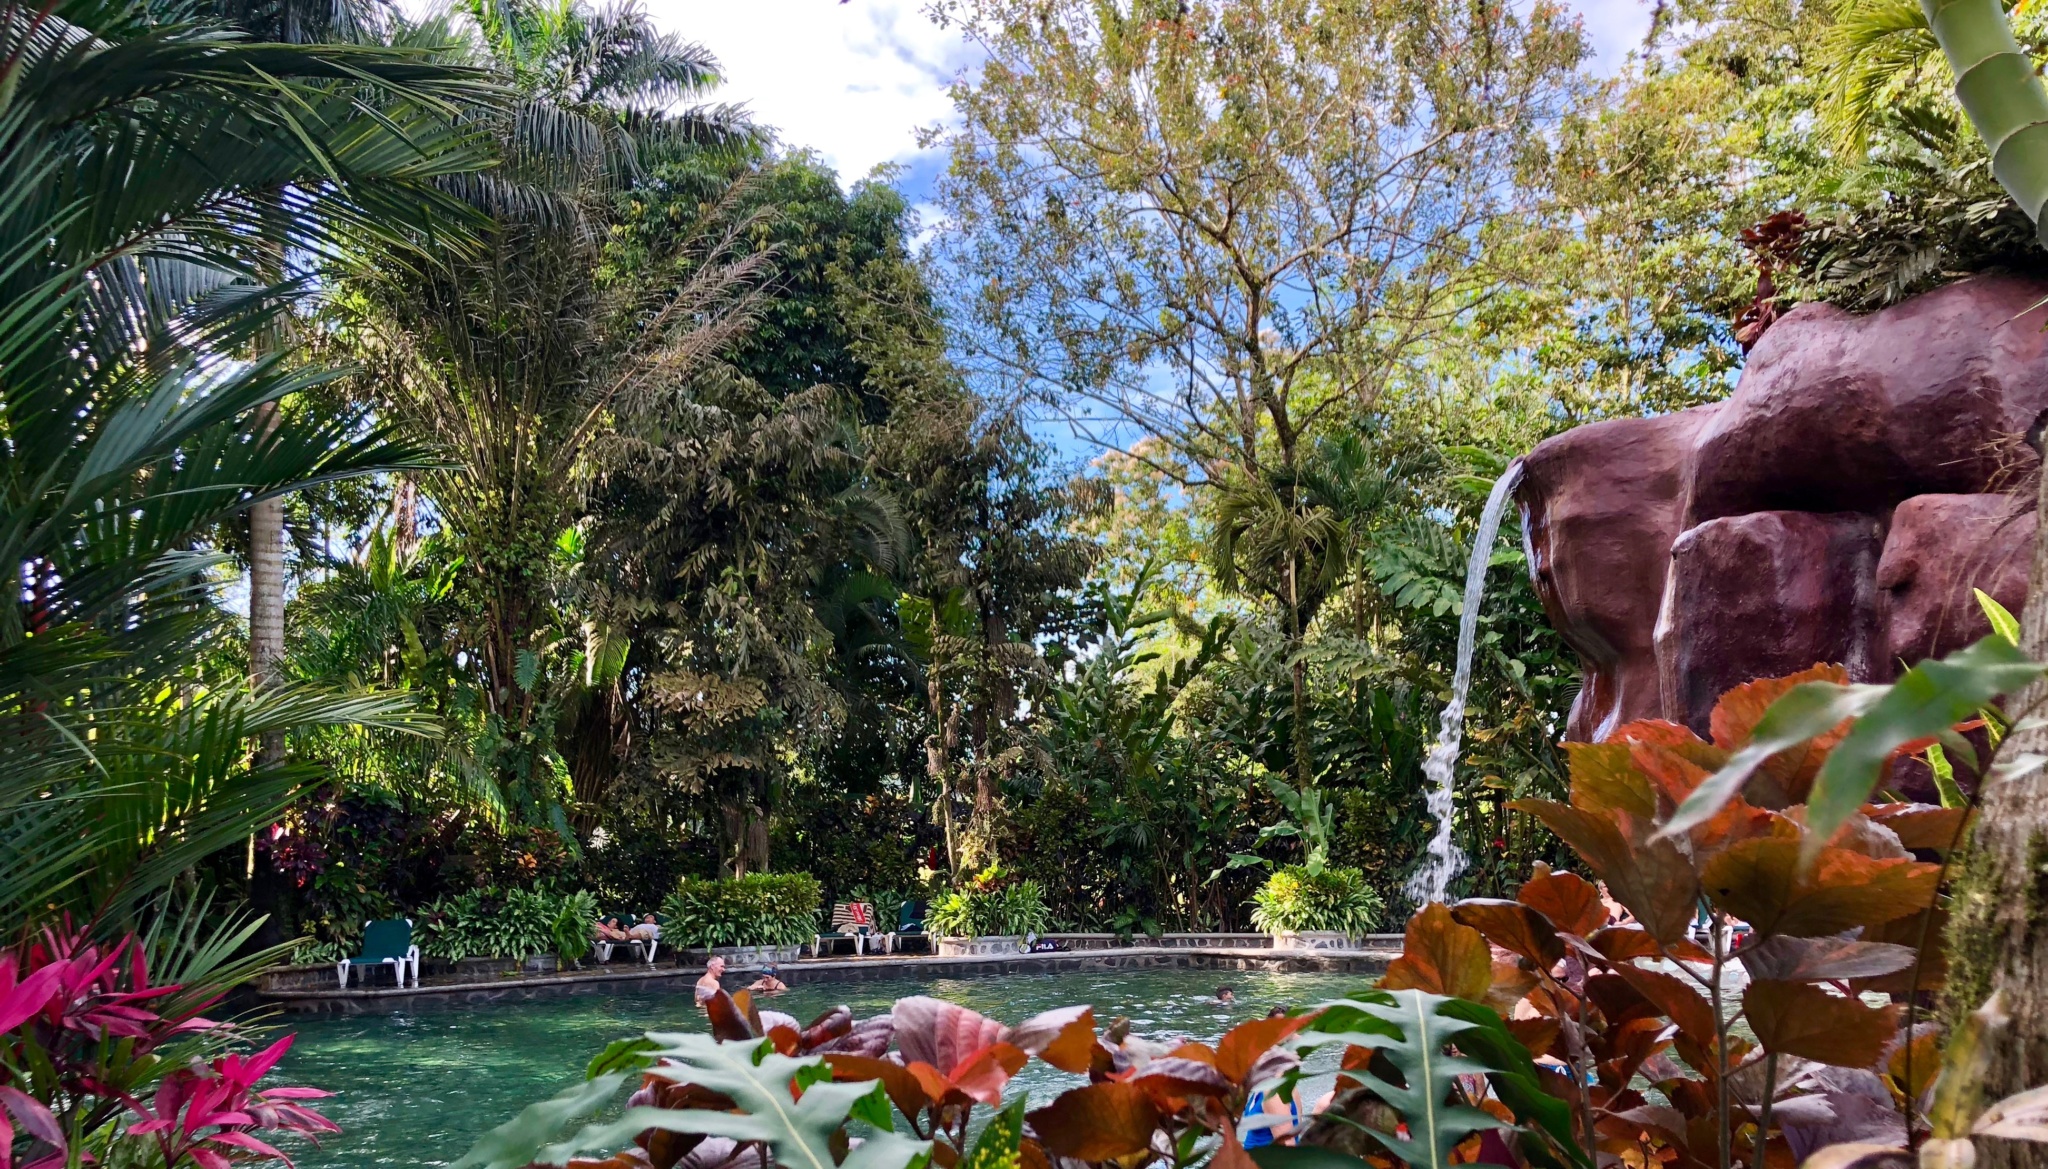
515	358
151	165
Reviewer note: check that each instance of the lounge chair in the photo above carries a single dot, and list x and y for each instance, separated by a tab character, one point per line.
643	948
909	924
853	920
385	943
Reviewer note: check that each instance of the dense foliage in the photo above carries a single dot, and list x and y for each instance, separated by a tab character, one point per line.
1298	898
759	909
992	904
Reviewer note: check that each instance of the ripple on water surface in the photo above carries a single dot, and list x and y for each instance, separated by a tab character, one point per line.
417	1088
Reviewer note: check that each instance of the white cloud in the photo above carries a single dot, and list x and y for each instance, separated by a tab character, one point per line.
852	81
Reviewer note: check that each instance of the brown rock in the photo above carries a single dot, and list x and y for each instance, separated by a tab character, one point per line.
1843	413
1910	421
1765	594
1939	549
1600	508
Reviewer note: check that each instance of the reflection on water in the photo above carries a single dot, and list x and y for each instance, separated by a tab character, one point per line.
418	1088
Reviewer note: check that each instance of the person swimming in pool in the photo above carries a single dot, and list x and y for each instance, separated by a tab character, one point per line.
708	984
767	984
1225	995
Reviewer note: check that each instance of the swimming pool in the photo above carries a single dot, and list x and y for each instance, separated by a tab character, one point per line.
416	1088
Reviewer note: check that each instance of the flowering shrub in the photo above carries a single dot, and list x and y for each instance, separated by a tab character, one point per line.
85	1035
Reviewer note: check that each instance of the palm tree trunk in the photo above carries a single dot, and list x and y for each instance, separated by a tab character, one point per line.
266	596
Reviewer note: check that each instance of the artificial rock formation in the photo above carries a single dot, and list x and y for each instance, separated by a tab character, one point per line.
1865	476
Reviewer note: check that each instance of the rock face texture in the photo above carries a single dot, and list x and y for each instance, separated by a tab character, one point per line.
1865	476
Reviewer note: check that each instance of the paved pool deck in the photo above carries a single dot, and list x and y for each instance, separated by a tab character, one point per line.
1369	961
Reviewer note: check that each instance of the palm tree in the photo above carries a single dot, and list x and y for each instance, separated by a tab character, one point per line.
512	359
150	165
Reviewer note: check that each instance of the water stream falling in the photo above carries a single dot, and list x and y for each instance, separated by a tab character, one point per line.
1431	880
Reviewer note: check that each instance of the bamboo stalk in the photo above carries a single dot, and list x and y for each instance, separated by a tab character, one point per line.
2000	91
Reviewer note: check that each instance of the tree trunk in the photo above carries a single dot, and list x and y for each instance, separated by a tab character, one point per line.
1998	929
266	595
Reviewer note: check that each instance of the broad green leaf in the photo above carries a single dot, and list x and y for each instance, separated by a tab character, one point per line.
873	1109
1930	697
997	1148
1304	1157
515	1143
1425	1029
1945	778
621	1055
2003	623
1515	1080
1806	711
526	669
893	1150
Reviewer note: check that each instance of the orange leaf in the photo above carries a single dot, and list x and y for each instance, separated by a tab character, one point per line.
1793	1018
1914	931
1199	1052
1097	1122
930	1080
1676	998
905	1089
1570	901
1064	1038
1654	880
986	1071
728	1015
1232	1154
1442	957
1914	1065
1623	943
1760	882
1535	1034
1512	925
1241	1046
1605	779
1787	777
1921	825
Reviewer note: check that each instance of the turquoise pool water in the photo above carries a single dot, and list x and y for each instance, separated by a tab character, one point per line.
417	1088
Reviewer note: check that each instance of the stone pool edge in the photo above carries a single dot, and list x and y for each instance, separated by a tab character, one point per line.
381	999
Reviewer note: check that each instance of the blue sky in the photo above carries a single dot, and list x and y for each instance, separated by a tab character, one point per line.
855	80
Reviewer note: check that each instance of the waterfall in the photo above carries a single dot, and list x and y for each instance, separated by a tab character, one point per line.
1431	881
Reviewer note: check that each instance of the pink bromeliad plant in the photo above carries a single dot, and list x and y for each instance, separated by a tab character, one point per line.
84	1036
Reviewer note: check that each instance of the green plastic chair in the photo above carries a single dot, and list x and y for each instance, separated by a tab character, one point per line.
385	943
909	924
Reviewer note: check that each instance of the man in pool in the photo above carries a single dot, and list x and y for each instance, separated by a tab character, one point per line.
707	985
767	984
1225	995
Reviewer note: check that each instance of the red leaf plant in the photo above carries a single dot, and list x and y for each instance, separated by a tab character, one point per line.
83	1034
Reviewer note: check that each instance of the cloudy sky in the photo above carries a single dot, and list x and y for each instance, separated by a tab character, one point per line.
854	80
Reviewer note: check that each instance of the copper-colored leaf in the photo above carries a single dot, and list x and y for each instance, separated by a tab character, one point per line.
1097	1122
1512	979
905	1090
942	1034
986	1071
1605	779
1063	1037
1785	778
1623	943
1442	957
1653	879
1926	826
1513	926
1174	1076
1792	1018
1538	1035
1241	1047
1232	1154
833	1024
1571	902
1678	999
786	1039
1760	882
1789	959
728	1017
1915	1064
1925	933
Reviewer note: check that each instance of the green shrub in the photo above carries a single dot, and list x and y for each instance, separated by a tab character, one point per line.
516	923
760	909
989	907
1294	899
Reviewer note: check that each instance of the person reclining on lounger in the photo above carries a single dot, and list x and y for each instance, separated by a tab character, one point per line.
647	930
608	930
